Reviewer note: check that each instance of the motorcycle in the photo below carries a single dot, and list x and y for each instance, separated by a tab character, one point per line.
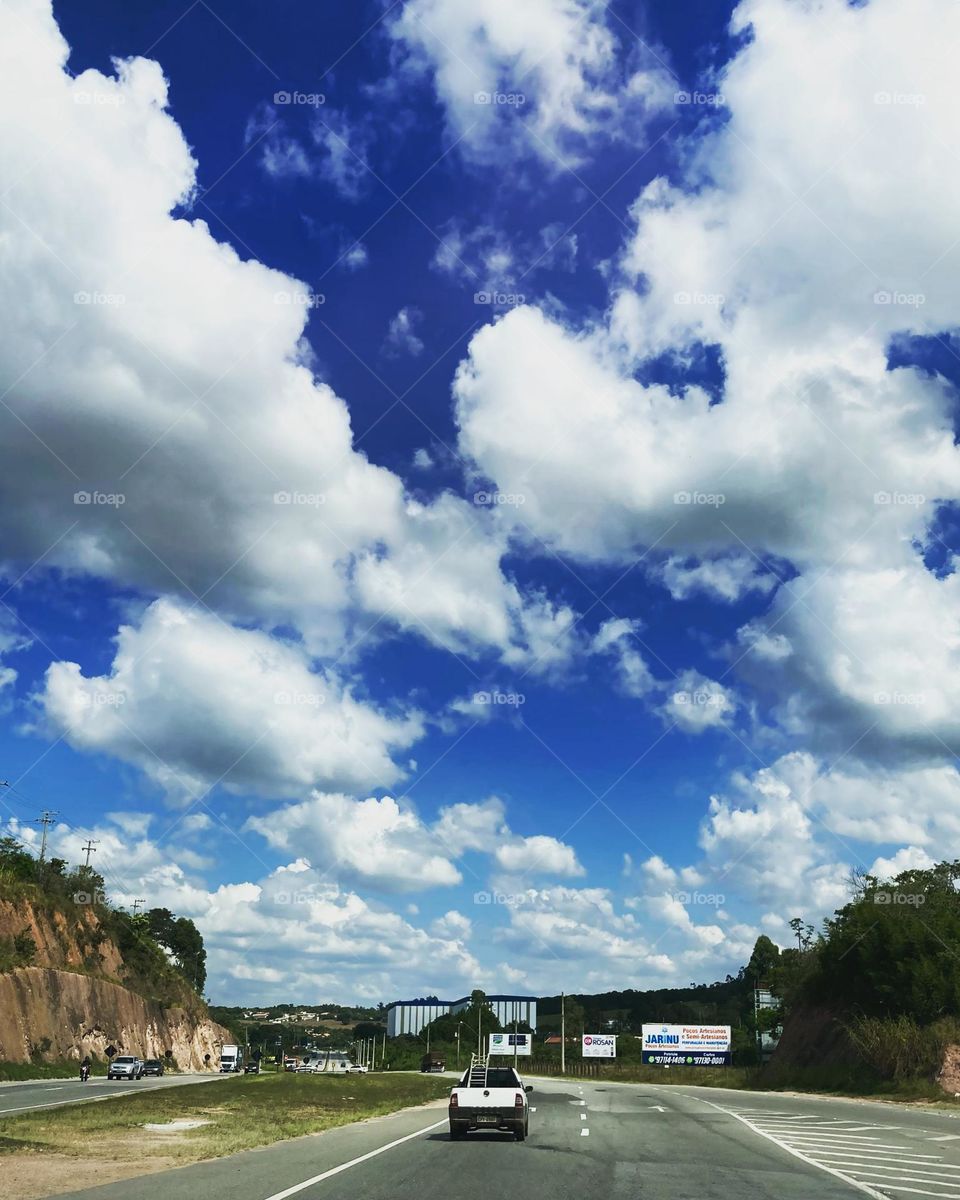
84	1072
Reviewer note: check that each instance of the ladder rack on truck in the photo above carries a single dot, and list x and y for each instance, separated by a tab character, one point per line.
478	1071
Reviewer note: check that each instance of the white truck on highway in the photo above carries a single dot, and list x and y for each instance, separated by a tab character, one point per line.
489	1097
231	1059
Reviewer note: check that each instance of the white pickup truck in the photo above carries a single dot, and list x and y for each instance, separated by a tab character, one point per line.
490	1097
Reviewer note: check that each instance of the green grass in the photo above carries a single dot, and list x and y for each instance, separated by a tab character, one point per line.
245	1112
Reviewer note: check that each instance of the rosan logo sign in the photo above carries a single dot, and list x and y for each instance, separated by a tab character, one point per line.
599	1045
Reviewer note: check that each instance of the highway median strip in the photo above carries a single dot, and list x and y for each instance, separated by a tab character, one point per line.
245	1113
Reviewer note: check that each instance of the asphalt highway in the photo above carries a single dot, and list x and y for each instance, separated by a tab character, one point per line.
51	1093
599	1141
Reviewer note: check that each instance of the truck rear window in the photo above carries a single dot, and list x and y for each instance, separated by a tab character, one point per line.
501	1077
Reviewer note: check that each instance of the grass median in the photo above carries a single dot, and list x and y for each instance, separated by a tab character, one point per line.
240	1114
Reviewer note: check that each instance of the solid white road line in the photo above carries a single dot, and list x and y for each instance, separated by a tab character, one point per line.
834	1139
863	1187
903	1157
892	1187
939	1168
299	1187
57	1104
859	1148
836	1152
930	1176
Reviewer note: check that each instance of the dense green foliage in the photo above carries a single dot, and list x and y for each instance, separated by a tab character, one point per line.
894	950
182	939
163	956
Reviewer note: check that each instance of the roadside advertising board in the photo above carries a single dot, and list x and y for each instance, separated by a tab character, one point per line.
510	1043
599	1045
686	1045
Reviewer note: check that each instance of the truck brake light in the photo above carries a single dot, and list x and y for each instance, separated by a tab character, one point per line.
518	1103
454	1103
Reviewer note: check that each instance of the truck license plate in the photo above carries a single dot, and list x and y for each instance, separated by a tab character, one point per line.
488	1119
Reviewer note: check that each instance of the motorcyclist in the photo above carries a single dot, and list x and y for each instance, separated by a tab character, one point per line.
85	1069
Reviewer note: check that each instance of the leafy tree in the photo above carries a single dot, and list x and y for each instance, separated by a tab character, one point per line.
16	865
576	1017
183	941
895	949
764	959
802	932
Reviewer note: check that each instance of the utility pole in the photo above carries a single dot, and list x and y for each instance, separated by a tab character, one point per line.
563	1034
90	848
459	1024
514	1035
136	905
46	819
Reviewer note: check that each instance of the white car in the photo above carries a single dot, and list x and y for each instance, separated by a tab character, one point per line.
125	1066
357	1069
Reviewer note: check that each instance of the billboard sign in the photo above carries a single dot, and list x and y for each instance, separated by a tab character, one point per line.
672	1058
689	1045
599	1045
511	1043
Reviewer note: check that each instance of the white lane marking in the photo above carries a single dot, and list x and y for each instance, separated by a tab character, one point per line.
883	1160
533	1108
56	1104
947	1137
299	1187
859	1147
583	1116
892	1187
928	1175
584	1132
863	1187
904	1156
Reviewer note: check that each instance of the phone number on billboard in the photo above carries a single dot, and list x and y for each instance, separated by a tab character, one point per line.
685	1060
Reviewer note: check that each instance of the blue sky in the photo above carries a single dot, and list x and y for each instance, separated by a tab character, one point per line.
480	481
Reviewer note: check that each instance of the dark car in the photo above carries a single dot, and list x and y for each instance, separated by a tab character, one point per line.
252	1068
153	1066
